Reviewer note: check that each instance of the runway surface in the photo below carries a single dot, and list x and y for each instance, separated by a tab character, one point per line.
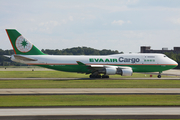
104	112
92	91
91	111
90	78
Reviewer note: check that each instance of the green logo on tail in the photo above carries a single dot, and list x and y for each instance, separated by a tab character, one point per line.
23	45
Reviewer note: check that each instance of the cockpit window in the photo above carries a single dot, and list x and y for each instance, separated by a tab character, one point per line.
165	56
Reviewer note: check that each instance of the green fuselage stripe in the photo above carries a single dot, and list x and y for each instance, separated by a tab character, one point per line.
135	68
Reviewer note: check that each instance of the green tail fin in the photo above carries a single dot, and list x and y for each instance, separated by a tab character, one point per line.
21	45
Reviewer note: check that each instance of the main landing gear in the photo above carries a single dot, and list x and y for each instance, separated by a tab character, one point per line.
95	76
159	75
98	76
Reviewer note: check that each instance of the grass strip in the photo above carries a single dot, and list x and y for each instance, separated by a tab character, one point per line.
60	74
88	100
89	83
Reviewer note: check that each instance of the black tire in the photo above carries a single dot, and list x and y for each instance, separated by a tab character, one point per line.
159	76
98	76
105	76
95	76
90	76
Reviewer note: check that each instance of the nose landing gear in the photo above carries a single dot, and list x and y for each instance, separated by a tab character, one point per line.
159	75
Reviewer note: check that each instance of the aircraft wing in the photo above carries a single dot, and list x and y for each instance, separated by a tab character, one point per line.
90	66
108	69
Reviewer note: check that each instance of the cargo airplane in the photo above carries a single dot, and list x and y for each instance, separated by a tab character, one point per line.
98	66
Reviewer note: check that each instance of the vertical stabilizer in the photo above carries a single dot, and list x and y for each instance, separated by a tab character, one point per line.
21	45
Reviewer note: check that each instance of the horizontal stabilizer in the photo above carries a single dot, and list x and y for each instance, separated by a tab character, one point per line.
7	56
19	57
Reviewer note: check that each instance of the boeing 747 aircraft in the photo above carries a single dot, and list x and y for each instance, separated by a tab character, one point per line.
95	65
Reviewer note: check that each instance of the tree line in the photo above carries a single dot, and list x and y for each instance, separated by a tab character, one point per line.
80	51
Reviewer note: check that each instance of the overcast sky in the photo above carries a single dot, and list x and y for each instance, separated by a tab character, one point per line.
122	25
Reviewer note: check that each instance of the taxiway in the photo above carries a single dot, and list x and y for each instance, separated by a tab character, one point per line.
91	91
92	112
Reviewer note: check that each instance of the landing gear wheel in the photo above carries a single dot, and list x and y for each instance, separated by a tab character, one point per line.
105	76
95	76
159	76
92	76
98	76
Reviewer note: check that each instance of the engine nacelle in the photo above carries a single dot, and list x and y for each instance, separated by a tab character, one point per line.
116	70
126	72
110	71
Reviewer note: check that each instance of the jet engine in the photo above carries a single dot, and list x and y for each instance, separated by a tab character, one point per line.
124	71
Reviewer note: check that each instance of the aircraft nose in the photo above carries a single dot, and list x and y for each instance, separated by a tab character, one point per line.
176	63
